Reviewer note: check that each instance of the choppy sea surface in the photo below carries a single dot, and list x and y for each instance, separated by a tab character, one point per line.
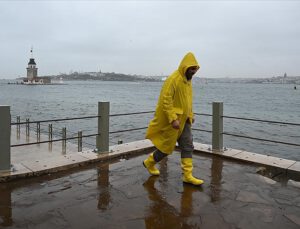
276	102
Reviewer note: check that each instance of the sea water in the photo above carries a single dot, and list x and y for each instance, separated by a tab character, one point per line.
276	102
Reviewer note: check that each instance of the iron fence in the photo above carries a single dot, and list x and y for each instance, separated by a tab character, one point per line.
103	132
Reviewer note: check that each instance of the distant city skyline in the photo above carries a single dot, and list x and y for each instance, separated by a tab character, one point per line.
254	39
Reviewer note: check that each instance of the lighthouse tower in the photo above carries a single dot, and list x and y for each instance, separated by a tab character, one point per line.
31	69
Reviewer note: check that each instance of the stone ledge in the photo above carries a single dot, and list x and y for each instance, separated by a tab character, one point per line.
290	166
64	162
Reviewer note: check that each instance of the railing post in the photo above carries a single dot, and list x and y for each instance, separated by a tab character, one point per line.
79	141
5	138
64	141
18	121
38	131
64	134
27	127
102	140
18	127
50	132
217	126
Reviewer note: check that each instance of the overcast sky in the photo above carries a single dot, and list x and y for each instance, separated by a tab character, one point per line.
229	38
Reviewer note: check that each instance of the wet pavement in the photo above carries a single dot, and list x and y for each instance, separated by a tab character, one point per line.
38	151
121	194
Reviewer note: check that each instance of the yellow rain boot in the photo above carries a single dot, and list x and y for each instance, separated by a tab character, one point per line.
187	168
149	164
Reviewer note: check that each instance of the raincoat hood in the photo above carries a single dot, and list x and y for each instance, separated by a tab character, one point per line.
189	60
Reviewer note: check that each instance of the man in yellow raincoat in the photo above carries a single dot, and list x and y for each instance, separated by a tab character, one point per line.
173	118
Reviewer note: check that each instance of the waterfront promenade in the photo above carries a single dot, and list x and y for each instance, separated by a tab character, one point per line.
50	186
113	190
120	194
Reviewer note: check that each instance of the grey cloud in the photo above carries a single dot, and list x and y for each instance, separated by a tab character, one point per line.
230	38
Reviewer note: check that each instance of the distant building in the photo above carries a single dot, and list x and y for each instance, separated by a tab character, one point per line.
31	70
32	73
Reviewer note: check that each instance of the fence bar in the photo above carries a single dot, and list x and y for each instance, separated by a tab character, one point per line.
133	113
18	127
18	122
27	127
79	141
55	140
102	140
64	133
5	138
261	120
38	130
50	132
197	129
127	130
56	120
217	126
261	139
64	141
203	114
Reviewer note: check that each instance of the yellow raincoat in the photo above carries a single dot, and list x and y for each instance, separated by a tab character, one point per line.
175	102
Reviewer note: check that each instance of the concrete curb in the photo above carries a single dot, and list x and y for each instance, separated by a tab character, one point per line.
291	167
65	162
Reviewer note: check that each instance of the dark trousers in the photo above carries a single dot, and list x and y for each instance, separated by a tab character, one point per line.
185	144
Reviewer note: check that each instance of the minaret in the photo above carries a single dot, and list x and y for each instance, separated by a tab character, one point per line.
31	69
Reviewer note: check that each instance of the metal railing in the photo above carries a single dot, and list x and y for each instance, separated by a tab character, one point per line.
79	134
203	130
218	133
102	135
263	121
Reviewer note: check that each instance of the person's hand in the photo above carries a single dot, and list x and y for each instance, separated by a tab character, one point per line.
193	120
176	124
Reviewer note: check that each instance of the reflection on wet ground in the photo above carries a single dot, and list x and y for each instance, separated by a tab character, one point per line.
38	151
121	194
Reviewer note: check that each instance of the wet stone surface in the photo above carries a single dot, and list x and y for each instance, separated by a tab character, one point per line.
38	151
121	194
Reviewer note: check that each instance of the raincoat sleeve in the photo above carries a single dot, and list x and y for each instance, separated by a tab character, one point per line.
167	103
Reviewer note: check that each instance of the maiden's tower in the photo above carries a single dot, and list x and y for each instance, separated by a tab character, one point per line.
32	73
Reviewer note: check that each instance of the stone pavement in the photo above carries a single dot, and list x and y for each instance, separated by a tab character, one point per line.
121	194
37	152
36	160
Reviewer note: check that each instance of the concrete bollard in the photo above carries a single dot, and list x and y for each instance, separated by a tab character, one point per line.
217	126
5	131
102	140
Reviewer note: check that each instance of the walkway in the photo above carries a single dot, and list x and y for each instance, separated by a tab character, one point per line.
120	194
